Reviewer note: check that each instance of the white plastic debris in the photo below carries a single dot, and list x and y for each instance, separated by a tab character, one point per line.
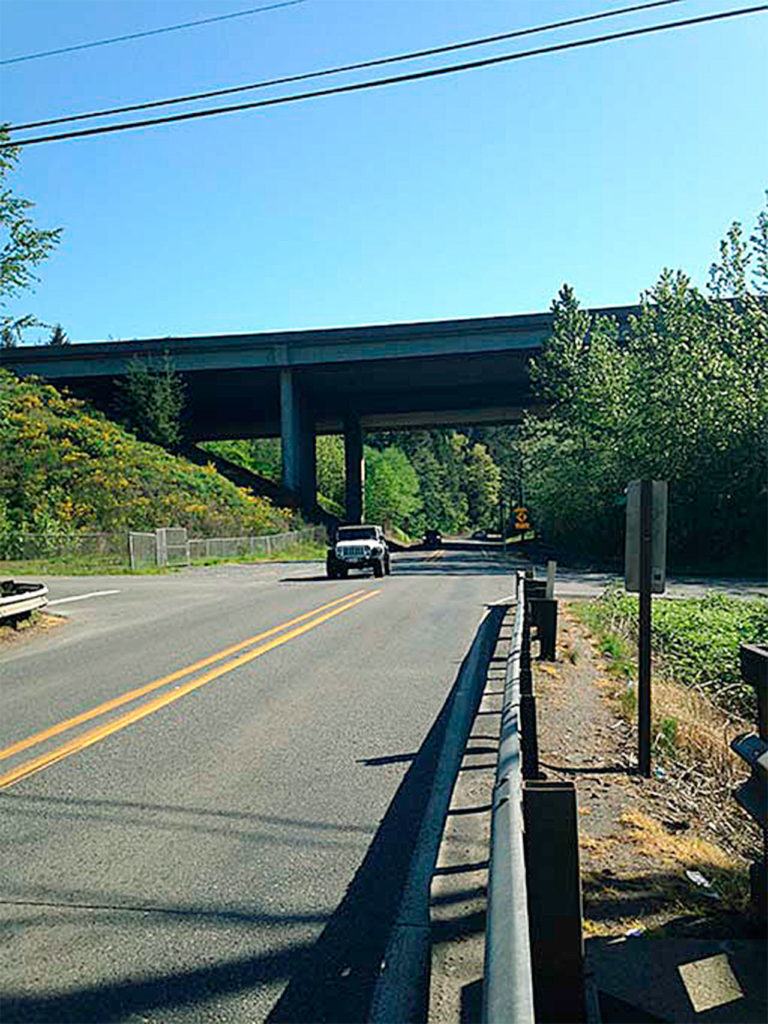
698	879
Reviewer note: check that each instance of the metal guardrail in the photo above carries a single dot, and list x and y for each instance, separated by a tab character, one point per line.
534	949
508	982
19	600
752	748
401	995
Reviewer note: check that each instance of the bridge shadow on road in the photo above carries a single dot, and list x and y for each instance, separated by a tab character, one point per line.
335	981
450	564
442	563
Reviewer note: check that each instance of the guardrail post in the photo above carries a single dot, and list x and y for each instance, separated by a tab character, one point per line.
544	617
526	675
752	748
551	570
535	588
554	901
529	737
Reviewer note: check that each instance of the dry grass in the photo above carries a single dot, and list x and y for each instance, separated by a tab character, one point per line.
620	926
39	622
702	731
671	849
688	851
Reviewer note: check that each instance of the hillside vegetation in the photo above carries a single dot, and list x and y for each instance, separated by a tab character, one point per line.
65	468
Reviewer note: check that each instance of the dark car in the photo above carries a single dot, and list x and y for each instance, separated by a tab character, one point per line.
433	539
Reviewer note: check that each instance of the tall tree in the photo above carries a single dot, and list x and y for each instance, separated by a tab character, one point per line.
23	248
151	400
391	488
482	487
58	336
681	394
330	468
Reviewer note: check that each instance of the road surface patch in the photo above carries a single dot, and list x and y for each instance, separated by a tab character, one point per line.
92	736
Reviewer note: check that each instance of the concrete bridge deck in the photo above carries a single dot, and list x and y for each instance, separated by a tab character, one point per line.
294	384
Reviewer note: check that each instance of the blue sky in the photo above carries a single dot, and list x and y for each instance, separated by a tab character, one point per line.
467	195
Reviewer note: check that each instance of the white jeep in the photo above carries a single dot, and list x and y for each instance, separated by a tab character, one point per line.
358	547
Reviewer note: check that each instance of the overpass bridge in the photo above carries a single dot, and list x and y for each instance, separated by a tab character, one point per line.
295	384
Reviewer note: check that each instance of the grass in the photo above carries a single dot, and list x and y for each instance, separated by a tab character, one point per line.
66	565
113	565
695	640
36	623
683	852
306	552
688	723
399	535
650	891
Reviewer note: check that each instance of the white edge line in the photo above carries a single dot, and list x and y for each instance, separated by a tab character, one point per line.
82	597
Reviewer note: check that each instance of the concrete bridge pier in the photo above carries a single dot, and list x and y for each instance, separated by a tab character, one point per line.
354	469
297	433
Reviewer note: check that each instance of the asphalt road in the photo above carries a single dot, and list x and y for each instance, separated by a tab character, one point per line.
193	832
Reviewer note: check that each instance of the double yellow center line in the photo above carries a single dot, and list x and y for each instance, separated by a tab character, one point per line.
274	637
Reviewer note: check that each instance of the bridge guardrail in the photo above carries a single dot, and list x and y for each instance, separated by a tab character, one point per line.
534	952
19	600
508	976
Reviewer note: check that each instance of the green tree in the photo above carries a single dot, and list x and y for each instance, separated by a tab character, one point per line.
58	336
681	393
22	248
460	486
392	494
503	447
482	486
330	468
260	455
151	400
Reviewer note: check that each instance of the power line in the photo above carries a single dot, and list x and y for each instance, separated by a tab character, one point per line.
150	32
394	80
345	67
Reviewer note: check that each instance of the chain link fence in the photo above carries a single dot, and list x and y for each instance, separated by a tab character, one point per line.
168	546
142	548
244	547
26	546
172	546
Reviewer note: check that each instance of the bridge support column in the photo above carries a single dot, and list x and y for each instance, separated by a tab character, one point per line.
354	469
297	434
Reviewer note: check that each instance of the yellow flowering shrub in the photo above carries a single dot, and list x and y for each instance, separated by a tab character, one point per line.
65	467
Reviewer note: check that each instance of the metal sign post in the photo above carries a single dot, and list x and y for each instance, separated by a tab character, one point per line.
644	634
645	573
